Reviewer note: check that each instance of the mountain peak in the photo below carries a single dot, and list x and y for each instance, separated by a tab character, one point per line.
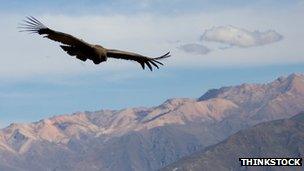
296	75
293	82
296	83
212	93
176	102
290	78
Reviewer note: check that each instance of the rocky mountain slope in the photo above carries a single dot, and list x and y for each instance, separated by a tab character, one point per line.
279	138
147	138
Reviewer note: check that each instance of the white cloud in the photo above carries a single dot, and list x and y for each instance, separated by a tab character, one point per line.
195	48
240	37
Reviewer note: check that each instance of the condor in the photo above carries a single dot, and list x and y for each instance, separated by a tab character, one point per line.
83	50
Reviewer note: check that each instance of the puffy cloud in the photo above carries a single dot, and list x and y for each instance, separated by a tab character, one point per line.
195	48
240	37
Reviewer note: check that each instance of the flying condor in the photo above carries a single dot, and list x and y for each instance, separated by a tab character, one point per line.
83	50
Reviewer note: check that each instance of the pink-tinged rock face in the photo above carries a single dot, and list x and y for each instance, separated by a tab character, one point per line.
204	121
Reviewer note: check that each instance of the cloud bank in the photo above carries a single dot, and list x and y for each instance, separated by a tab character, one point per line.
234	36
195	48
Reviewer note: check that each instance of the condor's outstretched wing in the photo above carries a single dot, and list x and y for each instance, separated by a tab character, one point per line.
83	50
32	25
111	53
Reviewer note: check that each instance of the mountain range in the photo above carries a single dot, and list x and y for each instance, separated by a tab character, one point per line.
274	139
147	138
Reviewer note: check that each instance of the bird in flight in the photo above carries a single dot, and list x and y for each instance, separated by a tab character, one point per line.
83	50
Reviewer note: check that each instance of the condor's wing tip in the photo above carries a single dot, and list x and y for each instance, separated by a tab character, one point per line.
30	24
167	55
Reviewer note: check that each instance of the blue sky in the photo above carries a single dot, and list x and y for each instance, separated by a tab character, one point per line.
246	41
